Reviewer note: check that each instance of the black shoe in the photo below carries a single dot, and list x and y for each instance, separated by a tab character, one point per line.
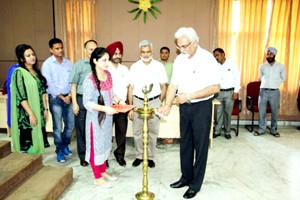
137	162
107	165
121	161
216	135
178	184
83	163
189	194
228	136
151	163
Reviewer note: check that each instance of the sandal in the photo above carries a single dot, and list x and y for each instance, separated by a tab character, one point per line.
275	134
256	133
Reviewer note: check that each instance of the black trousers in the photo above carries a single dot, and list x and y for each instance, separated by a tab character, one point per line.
195	121
121	122
80	128
25	138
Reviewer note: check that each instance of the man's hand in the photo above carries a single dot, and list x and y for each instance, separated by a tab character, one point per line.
75	108
130	115
164	110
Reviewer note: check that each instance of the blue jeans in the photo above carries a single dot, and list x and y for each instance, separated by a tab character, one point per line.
61	112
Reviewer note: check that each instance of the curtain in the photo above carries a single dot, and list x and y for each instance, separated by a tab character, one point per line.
284	35
251	41
80	26
225	26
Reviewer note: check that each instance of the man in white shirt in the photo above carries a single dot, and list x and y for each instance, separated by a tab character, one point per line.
271	74
120	75
144	72
230	86
196	77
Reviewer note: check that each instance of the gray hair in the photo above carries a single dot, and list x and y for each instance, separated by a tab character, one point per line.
145	43
188	32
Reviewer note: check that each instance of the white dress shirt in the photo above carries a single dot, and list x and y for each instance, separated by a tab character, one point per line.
230	76
141	75
120	77
195	73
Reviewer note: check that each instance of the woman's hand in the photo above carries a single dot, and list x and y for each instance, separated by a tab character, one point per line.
33	120
109	110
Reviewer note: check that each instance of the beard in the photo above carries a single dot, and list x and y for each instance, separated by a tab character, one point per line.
146	59
271	59
116	60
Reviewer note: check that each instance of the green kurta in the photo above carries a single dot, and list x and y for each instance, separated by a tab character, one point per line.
25	86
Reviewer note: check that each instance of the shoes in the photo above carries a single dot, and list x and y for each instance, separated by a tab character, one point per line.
83	163
275	134
189	194
137	162
178	184
151	163
67	152
61	157
109	177
107	165
228	136
216	135
103	185
46	145
121	161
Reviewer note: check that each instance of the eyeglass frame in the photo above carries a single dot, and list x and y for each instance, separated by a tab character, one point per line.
183	46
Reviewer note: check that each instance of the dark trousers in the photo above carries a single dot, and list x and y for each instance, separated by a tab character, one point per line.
25	138
121	122
80	128
45	136
195	121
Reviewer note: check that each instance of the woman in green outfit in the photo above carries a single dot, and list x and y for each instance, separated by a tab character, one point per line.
29	104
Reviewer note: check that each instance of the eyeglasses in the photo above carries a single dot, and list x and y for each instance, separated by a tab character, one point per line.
183	46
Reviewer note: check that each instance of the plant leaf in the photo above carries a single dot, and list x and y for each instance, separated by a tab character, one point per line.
145	17
133	10
152	13
154	1
156	9
137	14
132	1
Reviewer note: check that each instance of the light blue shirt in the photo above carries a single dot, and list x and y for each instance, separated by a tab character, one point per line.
57	75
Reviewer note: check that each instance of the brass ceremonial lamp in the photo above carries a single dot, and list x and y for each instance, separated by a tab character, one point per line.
145	113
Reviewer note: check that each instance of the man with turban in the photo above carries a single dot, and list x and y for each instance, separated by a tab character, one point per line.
119	74
271	74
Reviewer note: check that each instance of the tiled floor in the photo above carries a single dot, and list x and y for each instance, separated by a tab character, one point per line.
245	167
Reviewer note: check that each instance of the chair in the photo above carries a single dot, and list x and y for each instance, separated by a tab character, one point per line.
237	108
252	94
